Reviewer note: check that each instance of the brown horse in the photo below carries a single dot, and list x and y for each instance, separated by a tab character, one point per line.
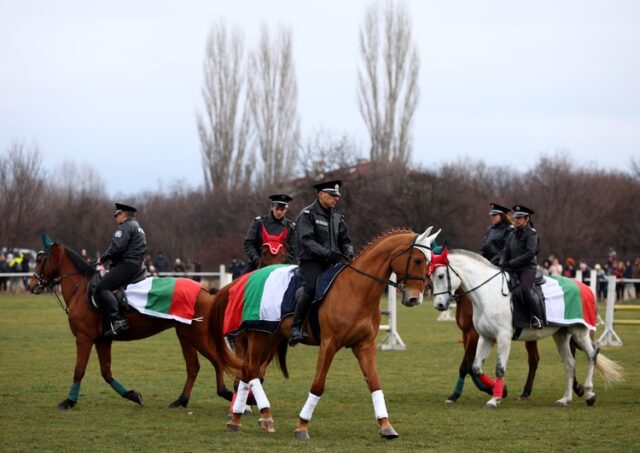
61	265
274	248
349	316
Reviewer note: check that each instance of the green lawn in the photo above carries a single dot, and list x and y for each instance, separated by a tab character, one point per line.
37	356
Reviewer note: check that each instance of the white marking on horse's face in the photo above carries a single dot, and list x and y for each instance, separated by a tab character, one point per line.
441	288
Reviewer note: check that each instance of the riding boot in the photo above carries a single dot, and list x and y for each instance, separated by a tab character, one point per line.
110	309
297	331
537	310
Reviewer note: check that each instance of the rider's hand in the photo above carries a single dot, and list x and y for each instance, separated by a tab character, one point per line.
334	257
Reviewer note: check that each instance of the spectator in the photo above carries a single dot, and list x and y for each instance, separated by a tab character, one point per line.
236	267
178	266
570	268
611	262
546	264
147	263
602	283
25	269
4	268
628	286
161	263
556	267
197	267
619	273
586	272
636	275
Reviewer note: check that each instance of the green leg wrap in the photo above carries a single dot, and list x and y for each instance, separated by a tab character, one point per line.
73	393
459	385
118	387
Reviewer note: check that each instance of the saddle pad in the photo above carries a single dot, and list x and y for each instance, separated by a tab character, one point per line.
164	297
568	301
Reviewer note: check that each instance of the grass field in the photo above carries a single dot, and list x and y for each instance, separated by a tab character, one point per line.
37	356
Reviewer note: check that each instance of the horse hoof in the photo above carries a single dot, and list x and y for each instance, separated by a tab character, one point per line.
134	396
523	398
266	424
233	428
591	401
561	403
247	411
66	404
389	433
491	405
449	401
301	435
183	401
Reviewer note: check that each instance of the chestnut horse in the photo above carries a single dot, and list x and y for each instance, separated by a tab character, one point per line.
274	248
60	265
349	316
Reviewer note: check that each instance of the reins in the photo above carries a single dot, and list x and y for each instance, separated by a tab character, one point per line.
51	284
457	297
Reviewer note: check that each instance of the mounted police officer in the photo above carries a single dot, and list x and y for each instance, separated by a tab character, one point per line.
519	257
496	235
126	254
275	223
323	240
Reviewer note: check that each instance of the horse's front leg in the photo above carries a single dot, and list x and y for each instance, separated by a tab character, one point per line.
366	355
504	347
103	348
562	337
482	352
83	351
328	349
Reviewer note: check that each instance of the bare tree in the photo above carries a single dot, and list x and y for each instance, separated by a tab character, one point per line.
22	186
388	82
225	131
274	96
324	151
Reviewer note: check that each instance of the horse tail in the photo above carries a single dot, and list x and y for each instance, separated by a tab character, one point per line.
283	346
227	358
610	372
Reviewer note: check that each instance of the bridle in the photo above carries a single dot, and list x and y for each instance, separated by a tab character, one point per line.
50	285
456	297
400	284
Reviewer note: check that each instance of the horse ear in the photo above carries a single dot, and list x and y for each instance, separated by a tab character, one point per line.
46	242
433	237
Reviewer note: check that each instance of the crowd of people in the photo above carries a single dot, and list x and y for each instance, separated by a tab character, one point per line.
622	269
14	262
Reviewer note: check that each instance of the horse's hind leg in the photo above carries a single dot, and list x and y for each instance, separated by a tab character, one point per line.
583	341
578	388
192	363
561	337
534	359
103	348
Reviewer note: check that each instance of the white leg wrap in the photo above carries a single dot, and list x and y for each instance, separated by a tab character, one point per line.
259	394
379	406
307	411
241	398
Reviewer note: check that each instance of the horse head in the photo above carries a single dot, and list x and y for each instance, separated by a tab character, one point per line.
47	271
274	248
443	281
410	266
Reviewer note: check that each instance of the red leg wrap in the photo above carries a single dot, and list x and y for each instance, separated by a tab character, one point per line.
497	391
233	400
487	381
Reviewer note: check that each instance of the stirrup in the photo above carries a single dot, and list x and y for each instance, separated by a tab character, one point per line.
297	335
535	323
116	326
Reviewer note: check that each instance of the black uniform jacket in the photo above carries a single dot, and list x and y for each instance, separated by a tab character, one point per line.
494	240
521	250
253	242
128	243
321	231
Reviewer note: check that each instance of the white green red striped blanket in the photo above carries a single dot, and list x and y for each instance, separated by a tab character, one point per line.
257	297
164	297
568	301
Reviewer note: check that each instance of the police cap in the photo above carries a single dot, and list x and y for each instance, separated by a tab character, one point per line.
280	199
332	187
521	211
121	207
498	209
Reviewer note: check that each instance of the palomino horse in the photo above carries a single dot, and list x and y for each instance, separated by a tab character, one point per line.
349	317
492	318
464	320
61	265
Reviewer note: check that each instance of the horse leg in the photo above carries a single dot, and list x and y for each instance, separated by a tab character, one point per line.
240	347
504	347
83	350
366	355
583	341
482	352
328	350
470	341
578	388
561	337
534	358
192	363
103	348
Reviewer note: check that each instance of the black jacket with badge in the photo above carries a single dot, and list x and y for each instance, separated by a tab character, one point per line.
521	250
494	240
128	243
253	241
320	232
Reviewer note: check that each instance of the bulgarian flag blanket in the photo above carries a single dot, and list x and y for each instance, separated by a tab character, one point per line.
568	301
256	299
164	297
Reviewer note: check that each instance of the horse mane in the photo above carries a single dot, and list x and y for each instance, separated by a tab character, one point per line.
78	261
373	242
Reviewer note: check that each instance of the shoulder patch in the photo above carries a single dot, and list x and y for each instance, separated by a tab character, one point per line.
258	218
306	211
118	233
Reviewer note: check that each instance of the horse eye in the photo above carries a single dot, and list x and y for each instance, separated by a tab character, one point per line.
417	261
441	276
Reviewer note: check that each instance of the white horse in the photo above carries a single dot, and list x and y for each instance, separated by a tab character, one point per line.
486	286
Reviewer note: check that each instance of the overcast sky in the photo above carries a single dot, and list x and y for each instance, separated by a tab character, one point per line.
116	84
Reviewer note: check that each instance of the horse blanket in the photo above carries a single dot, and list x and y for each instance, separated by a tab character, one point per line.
568	302
164	297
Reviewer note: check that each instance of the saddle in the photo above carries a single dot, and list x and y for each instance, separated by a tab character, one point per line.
121	296
519	308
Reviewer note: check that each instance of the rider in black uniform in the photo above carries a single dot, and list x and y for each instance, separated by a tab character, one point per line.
496	235
519	256
323	240
126	253
275	222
